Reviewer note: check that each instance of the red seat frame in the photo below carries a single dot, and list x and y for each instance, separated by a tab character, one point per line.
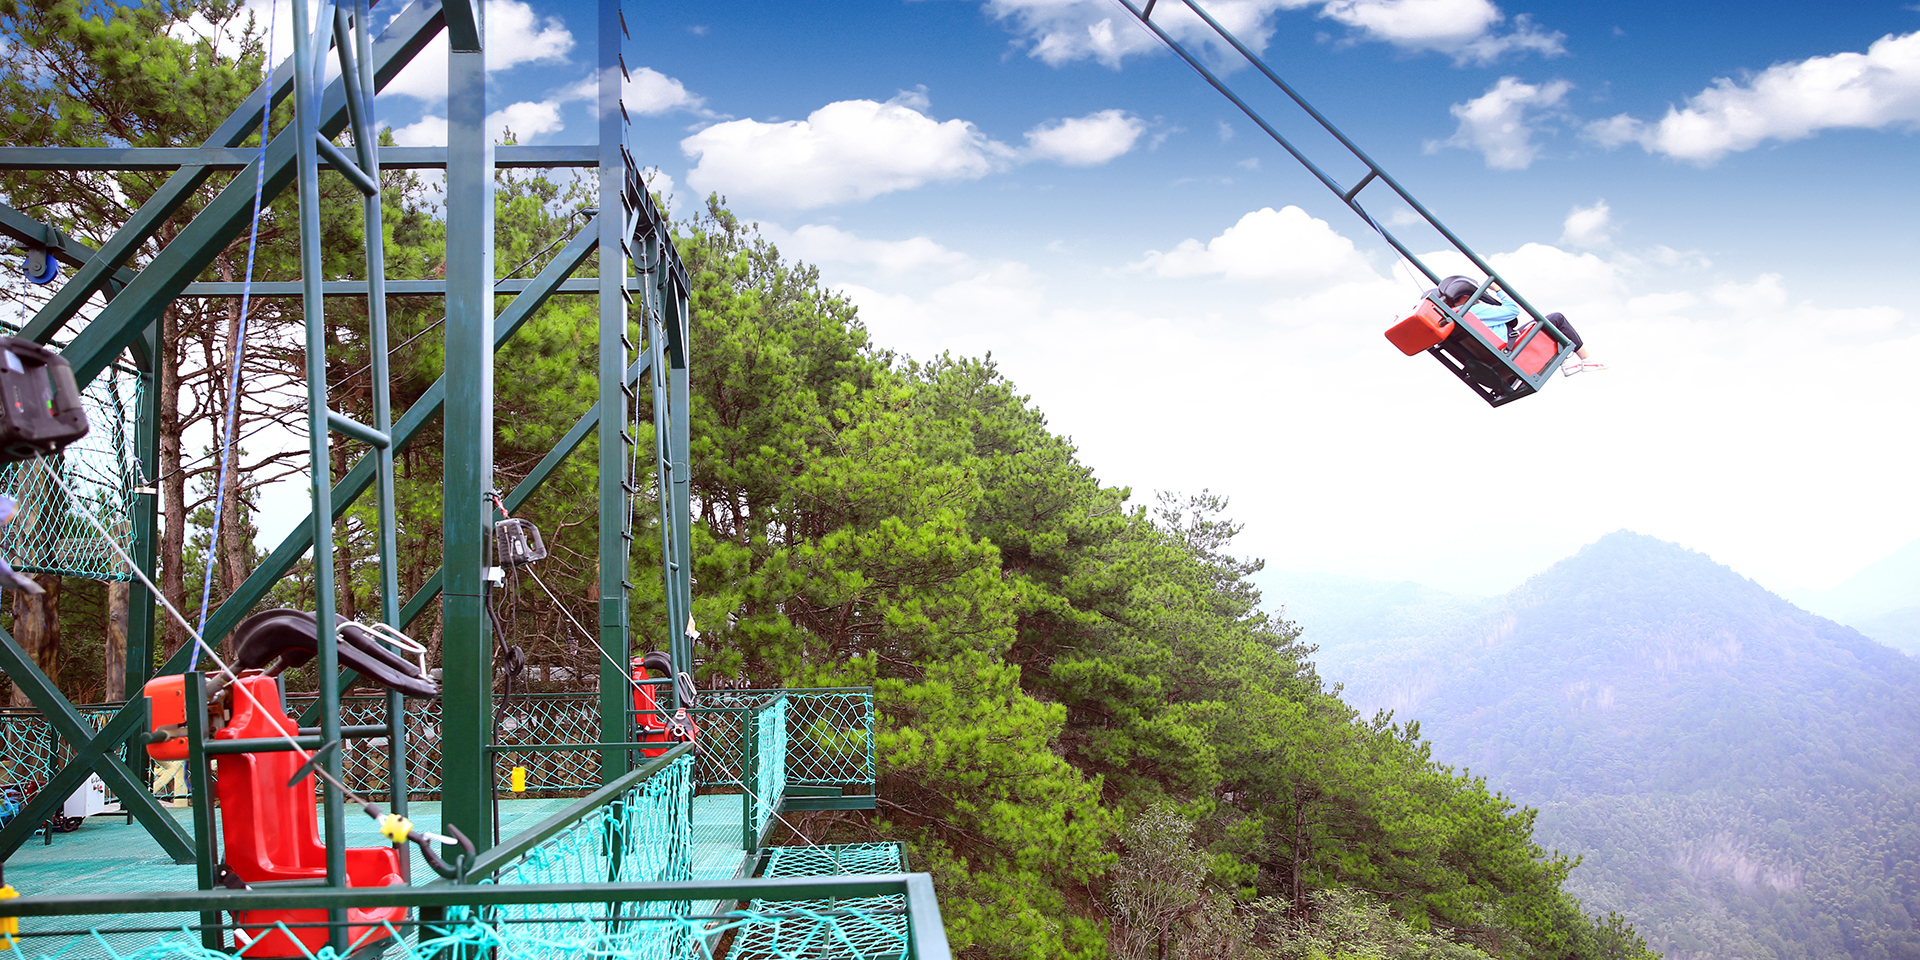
271	832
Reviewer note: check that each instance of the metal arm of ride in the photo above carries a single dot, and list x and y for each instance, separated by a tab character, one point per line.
1348	195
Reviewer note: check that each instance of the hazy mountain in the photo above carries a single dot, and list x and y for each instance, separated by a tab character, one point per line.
1354	619
1743	777
1881	601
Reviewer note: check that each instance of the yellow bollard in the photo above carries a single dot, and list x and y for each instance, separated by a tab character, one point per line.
9	926
519	779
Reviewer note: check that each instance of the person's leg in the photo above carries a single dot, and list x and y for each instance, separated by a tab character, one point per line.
1560	322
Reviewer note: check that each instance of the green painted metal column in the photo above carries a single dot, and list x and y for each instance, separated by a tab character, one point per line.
309	70
467	648
679	445
615	514
146	526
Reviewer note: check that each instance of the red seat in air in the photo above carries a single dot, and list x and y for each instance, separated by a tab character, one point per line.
271	833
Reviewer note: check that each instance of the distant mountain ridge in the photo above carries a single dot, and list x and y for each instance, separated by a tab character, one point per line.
1741	775
1881	601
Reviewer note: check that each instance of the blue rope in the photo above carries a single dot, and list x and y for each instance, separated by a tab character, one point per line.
240	341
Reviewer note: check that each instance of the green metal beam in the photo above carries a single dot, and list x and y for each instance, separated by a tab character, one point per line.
466	684
358	288
522	491
63	248
236	158
791	804
615	515
224	217
300	538
178	191
90	754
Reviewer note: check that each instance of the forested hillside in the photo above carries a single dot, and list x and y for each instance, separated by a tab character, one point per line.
1739	774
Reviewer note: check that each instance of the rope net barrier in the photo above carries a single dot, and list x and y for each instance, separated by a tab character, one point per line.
51	533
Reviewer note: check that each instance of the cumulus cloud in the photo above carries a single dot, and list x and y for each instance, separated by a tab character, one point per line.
1062	31
1501	123
845	151
1789	101
1287	246
526	121
1462	29
515	35
859	149
1588	226
652	93
1086	141
822	244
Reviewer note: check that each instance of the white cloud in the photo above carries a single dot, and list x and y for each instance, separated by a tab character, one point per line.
1462	29
822	244
845	151
858	149
515	35
425	132
1500	123
1789	101
526	120
1286	246
1062	31
1588	226
1086	141
652	94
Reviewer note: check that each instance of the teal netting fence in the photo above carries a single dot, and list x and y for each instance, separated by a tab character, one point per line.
771	930
828	742
767	783
860	927
51	533
644	836
829	735
31	752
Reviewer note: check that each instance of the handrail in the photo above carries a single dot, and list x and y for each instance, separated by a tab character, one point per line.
456	895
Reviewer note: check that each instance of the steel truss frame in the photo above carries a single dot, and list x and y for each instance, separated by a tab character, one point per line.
640	282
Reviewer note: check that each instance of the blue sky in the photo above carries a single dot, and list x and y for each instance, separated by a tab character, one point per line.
1716	193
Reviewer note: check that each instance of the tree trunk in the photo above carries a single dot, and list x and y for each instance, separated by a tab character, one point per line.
235	543
173	483
118	592
36	625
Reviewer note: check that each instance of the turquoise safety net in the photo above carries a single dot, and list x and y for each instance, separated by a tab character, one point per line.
838	928
51	533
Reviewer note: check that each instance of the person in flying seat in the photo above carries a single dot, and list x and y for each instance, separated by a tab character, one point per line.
1501	315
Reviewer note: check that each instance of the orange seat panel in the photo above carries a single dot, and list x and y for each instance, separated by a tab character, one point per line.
1426	327
271	832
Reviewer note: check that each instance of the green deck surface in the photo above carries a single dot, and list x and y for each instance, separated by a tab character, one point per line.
106	855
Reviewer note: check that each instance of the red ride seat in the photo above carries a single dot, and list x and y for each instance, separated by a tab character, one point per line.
271	833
